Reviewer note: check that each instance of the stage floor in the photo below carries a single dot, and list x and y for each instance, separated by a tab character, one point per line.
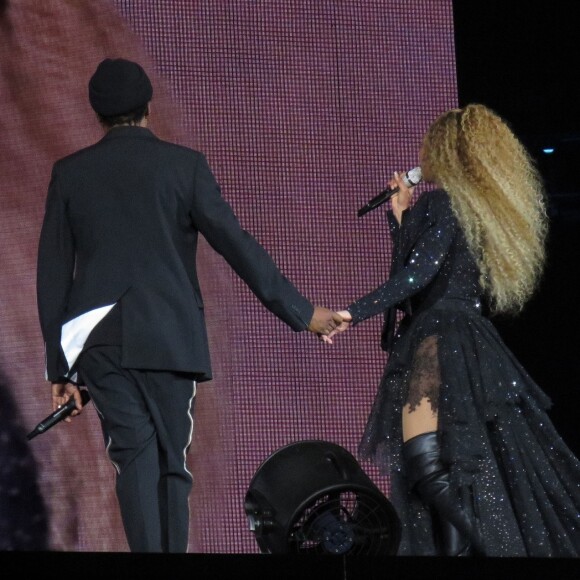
87	565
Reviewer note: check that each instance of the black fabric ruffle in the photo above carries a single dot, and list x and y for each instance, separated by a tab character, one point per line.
507	462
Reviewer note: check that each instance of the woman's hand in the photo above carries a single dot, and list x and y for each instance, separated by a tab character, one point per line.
402	199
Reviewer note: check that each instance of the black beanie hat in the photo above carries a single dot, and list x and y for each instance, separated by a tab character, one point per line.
119	86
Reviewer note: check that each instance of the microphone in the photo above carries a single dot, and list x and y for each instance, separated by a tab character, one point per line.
58	415
410	179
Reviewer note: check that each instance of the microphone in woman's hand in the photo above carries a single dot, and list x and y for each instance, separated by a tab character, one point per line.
410	179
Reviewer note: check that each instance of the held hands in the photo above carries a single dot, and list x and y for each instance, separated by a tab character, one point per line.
344	325
61	393
323	321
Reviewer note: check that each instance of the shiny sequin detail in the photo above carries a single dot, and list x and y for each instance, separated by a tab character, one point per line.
509	466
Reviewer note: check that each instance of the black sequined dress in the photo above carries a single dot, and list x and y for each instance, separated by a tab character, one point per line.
508	464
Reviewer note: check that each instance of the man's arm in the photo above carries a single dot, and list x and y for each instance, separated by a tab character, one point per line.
55	267
216	221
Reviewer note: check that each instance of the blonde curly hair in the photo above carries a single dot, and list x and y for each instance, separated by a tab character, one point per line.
496	194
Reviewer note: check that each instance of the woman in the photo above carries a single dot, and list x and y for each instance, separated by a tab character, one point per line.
476	467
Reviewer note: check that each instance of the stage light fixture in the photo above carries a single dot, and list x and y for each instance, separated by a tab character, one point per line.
313	497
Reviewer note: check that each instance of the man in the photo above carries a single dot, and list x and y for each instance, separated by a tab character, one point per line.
119	301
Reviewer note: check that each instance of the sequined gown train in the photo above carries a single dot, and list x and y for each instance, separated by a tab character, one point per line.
508	464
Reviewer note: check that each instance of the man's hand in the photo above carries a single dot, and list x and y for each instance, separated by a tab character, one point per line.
324	321
61	393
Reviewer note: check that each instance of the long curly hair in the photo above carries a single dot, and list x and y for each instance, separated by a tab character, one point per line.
498	197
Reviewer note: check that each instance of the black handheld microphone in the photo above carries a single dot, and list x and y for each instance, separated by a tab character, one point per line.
58	415
411	178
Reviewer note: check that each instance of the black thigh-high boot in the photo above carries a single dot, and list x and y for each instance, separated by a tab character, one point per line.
429	478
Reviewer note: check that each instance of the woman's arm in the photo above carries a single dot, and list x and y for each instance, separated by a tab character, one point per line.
423	264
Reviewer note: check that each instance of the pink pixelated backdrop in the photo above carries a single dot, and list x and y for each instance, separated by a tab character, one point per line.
303	109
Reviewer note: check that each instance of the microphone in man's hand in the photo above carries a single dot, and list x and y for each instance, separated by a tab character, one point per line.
58	415
410	179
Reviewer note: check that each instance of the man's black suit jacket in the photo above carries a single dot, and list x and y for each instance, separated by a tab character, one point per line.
121	225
